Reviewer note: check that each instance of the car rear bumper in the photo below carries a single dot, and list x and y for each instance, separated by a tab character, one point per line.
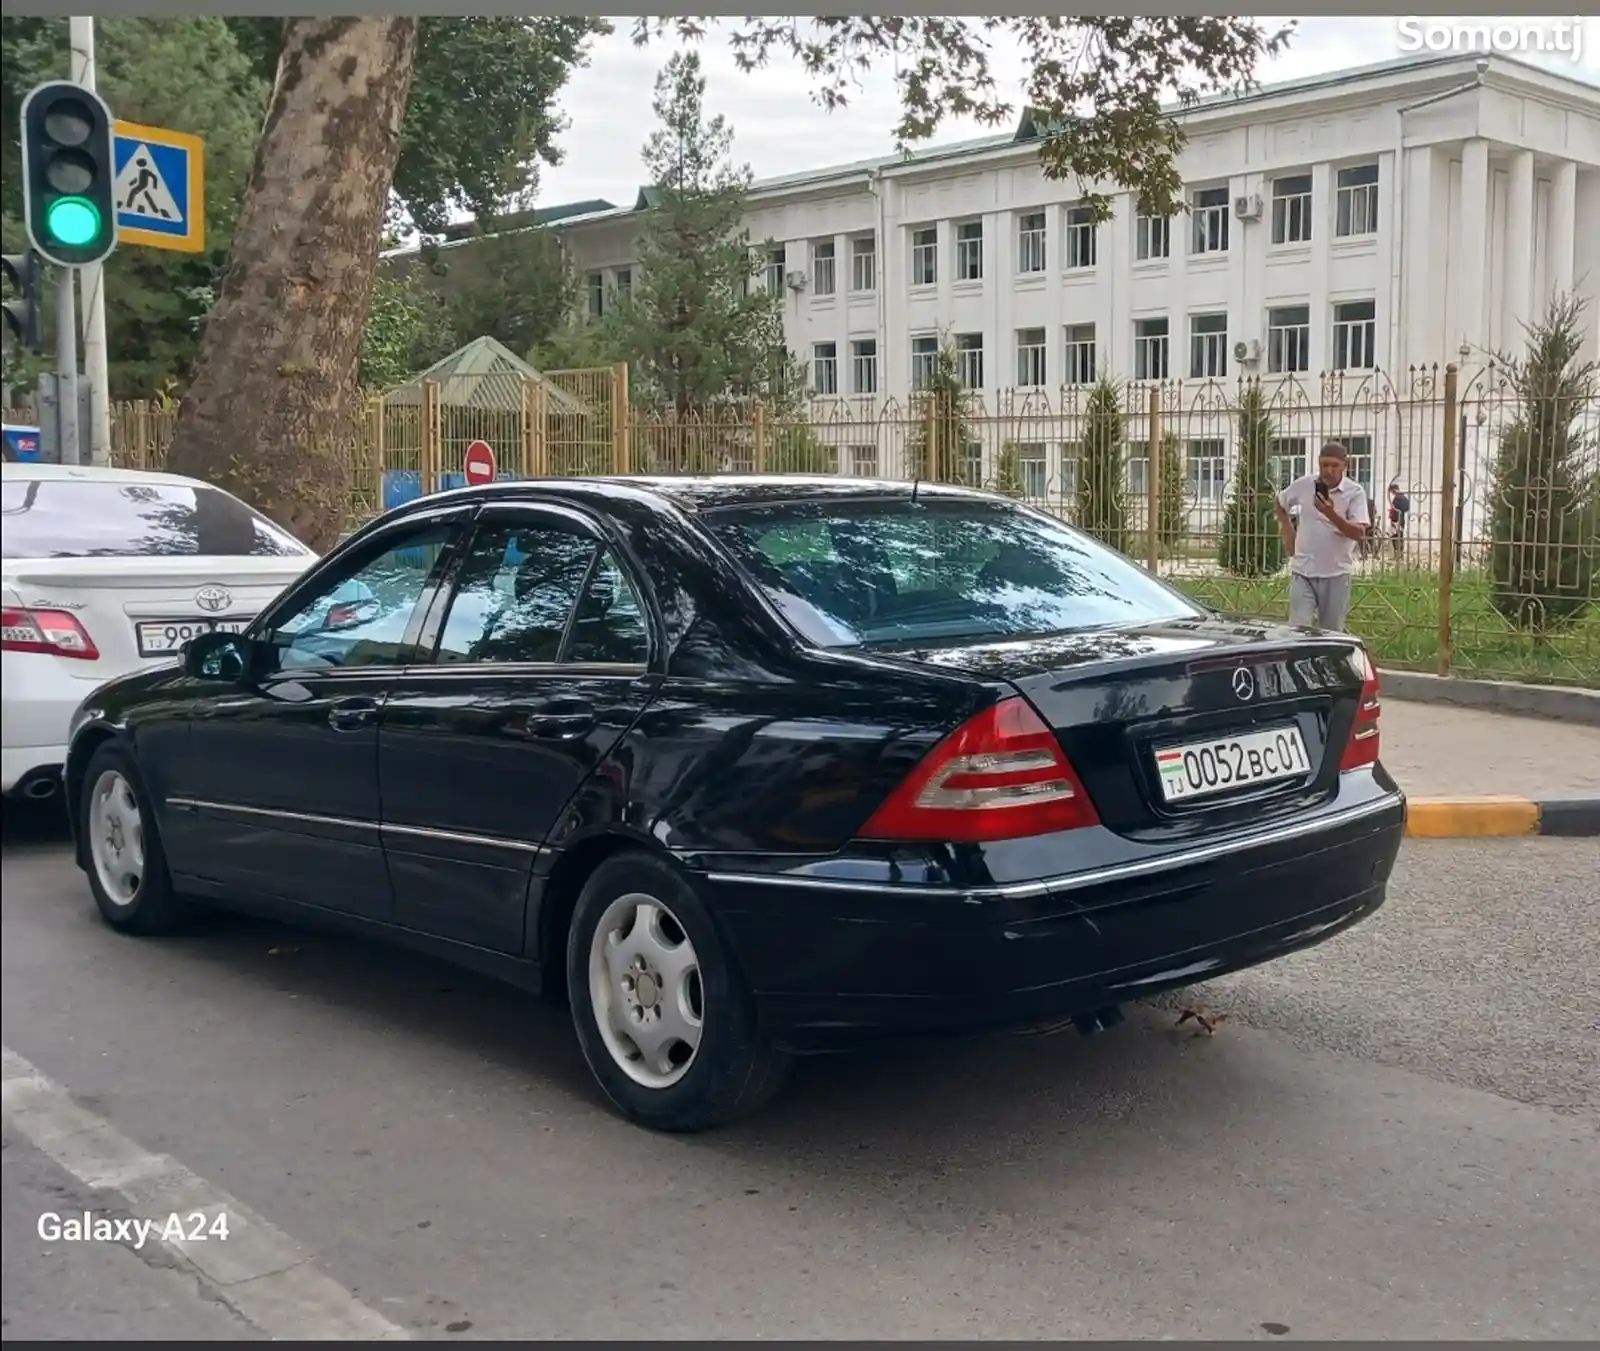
835	962
37	701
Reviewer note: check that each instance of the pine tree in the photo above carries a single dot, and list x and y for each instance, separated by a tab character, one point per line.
1102	489
1545	500
935	445
1008	471
1170	514
1251	544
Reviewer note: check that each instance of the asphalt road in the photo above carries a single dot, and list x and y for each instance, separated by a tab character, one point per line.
1393	1136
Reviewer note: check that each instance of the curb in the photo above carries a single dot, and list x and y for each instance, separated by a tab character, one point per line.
1562	703
1467	818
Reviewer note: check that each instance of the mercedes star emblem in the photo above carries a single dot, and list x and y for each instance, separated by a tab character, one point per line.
1244	684
213	599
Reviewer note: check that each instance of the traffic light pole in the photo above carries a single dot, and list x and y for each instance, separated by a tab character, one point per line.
67	366
95	356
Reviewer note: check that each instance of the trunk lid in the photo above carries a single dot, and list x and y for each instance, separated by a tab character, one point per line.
1118	699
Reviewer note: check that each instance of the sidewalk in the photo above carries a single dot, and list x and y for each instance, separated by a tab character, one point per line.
1436	750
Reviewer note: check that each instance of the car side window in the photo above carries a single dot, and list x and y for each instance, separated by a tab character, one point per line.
360	618
516	591
610	624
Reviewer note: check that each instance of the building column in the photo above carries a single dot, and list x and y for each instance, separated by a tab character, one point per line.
1586	259
1563	226
1474	274
1519	247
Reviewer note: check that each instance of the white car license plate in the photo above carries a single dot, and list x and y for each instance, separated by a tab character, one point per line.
164	637
1198	768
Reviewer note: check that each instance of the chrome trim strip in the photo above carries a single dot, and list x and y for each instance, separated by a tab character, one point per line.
1073	881
421	832
459	837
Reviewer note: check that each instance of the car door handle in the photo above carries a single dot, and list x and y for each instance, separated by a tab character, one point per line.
349	715
556	722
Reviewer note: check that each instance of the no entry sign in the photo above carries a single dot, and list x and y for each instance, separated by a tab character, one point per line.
479	465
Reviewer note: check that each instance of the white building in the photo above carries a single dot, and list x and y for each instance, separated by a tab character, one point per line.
1409	213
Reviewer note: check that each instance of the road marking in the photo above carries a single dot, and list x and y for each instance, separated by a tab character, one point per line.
258	1271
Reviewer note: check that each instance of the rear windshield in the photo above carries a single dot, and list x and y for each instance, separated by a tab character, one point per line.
76	518
846	574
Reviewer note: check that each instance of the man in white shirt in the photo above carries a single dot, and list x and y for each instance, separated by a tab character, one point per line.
1333	522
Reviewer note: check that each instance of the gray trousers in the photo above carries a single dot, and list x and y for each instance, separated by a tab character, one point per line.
1319	602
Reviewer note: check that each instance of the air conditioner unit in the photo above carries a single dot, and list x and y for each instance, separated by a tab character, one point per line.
1248	206
1247	351
796	281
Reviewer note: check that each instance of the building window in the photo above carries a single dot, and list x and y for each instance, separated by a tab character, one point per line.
1071	458
1081	234
1032	357
924	257
597	294
1209	211
776	263
924	360
864	263
1357	202
864	365
969	465
1080	354
822	268
1360	464
624	285
1150	345
864	461
1289	339
1032	466
825	368
1207	469
1287	460
1291	210
1152	237
969	251
969	359
1208	346
1030	242
1355	335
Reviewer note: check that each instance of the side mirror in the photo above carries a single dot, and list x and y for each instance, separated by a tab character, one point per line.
219	656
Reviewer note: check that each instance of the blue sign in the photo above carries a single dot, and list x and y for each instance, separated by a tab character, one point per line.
160	188
22	443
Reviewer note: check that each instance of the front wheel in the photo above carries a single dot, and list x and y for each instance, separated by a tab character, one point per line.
664	1020
122	844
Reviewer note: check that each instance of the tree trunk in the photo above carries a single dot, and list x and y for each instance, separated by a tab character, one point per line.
274	411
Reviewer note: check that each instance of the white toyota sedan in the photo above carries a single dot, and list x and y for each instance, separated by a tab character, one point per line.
107	571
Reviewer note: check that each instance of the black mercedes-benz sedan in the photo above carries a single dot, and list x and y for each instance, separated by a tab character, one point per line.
749	767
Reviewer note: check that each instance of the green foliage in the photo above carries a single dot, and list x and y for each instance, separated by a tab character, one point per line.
1008	470
514	287
1102	473
1545	491
934	450
482	114
188	74
407	330
1122	68
695	331
1173	483
1251	544
796	449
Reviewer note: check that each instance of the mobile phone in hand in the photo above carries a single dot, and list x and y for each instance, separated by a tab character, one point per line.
1322	488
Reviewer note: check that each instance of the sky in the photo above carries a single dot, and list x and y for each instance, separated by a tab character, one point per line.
778	129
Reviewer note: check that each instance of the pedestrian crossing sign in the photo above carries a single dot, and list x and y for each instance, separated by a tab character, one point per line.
160	188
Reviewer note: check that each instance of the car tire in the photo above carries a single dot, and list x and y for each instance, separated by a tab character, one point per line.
122	851
644	960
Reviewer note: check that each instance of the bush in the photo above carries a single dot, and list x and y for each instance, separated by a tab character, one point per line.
1170	514
1251	544
1102	482
1008	471
934	449
1544	494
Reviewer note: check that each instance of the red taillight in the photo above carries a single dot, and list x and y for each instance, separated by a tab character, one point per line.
53	632
999	776
1362	748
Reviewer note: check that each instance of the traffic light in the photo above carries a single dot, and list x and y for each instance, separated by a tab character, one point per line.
23	320
68	171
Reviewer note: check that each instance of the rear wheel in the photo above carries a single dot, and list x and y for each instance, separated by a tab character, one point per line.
664	1020
127	868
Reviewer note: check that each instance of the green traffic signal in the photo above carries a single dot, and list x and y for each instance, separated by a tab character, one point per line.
73	221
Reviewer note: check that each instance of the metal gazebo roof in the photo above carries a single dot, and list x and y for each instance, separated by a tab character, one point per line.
485	374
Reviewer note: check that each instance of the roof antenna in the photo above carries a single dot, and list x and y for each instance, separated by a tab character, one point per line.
915	484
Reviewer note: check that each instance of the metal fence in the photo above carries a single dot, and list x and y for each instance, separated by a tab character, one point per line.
1491	572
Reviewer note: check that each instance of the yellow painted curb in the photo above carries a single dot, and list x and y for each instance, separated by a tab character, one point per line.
1459	818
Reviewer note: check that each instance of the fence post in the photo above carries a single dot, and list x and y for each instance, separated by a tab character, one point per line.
1152	485
758	461
540	446
525	437
380	449
930	443
1447	517
620	457
428	457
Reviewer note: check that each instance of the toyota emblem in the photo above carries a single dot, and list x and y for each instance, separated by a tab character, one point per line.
1244	684
213	599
